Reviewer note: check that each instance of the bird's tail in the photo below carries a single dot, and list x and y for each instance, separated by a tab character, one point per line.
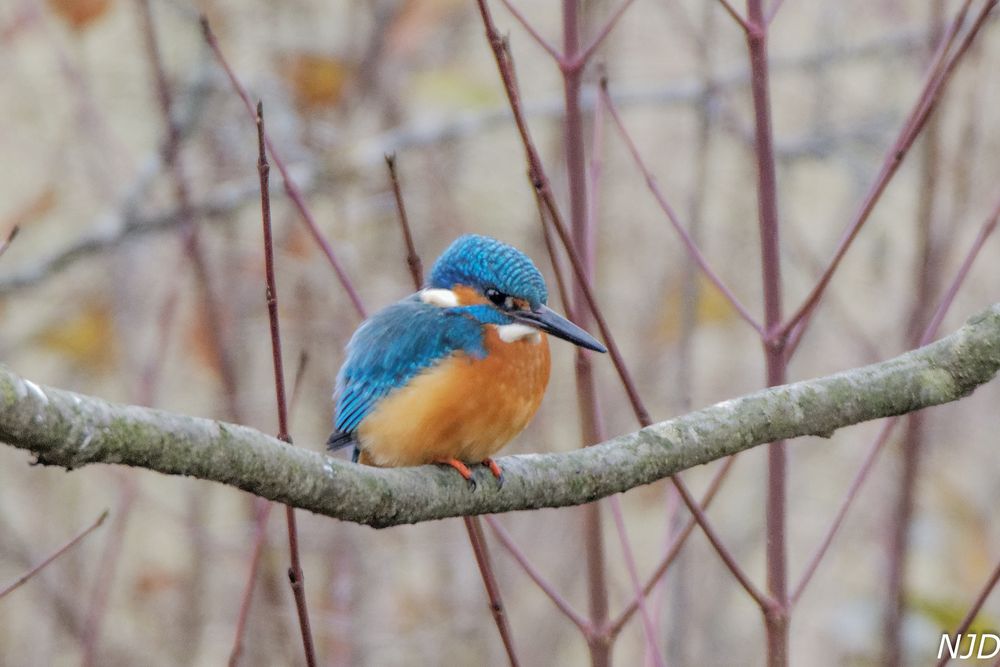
338	440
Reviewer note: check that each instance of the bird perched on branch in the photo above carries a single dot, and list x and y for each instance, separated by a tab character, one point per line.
452	373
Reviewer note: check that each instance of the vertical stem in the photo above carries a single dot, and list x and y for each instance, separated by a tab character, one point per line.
582	235
472	524
412	258
295	576
478	541
776	616
925	278
681	590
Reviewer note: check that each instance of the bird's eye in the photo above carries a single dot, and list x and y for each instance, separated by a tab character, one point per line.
500	299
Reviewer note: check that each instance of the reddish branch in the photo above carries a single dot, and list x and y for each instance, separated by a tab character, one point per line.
412	258
938	75
540	182
263	513
970	616
692	248
295	575
472	526
930	331
294	194
478	540
190	238
11	235
24	578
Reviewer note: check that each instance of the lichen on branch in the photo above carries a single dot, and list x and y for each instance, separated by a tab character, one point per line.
72	430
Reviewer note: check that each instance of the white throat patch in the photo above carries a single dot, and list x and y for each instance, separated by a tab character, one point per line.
510	333
442	298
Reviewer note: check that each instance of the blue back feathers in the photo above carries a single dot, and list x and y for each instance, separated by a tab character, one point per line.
482	262
411	336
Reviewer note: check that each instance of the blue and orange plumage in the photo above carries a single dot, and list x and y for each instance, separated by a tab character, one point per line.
455	371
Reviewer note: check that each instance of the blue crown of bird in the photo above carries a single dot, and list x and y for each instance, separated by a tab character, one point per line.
452	373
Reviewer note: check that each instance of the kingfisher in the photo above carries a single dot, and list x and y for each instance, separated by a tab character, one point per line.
452	373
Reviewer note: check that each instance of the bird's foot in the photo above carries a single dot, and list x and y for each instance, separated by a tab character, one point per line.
462	469
495	469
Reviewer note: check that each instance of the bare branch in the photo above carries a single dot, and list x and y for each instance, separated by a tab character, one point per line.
412	258
72	430
588	52
936	81
296	577
58	552
11	235
692	249
535	35
294	194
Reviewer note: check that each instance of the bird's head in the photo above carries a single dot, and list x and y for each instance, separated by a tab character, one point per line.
481	271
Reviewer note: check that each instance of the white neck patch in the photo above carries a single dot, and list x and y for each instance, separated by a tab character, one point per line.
442	298
510	333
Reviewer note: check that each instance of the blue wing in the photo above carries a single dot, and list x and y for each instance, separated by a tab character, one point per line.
390	348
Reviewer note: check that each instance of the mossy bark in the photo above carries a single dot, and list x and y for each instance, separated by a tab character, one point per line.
72	430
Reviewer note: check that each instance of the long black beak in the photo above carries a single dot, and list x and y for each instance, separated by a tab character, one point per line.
550	321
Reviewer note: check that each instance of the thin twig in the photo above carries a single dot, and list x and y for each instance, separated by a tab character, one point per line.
478	540
148	383
989	226
472	527
190	238
727	557
928	334
535	35
649	630
746	25
587	52
974	610
263	512
540	182
935	82
838	519
501	51
616	626
776	617
693	251
594	173
123	224
293	191
11	235
412	258
522	559
24	578
773	11
295	574
583	245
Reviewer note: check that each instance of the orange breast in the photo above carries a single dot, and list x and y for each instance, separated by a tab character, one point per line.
463	408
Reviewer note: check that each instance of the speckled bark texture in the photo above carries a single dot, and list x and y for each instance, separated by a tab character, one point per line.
72	430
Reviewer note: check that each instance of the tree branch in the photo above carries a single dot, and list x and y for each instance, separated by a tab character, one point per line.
71	430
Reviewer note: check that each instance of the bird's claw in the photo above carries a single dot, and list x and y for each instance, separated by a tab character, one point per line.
496	470
462	469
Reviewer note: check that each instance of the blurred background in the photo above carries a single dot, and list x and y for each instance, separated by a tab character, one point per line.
101	293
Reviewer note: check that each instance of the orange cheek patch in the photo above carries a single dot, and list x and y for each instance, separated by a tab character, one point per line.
468	296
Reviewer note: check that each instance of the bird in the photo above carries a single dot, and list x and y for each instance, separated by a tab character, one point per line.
452	373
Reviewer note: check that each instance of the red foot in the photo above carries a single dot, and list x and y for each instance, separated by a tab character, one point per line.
495	469
462	469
